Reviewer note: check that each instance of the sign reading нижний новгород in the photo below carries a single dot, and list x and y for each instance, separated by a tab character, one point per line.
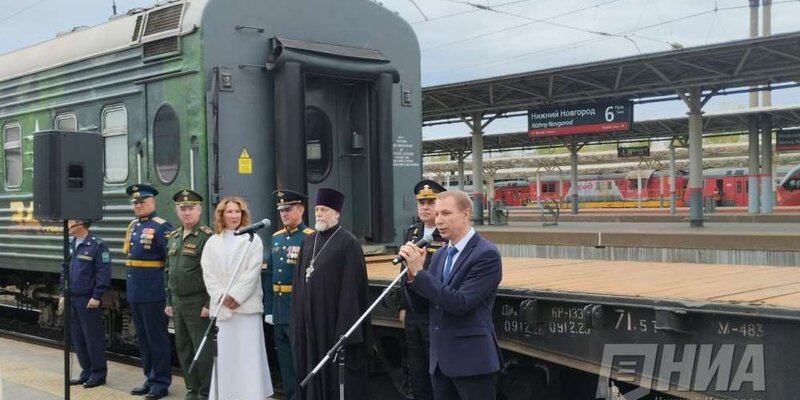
580	118
787	140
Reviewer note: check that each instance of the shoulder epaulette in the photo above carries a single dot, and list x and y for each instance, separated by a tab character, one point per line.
206	230
159	220
309	230
279	232
410	227
174	233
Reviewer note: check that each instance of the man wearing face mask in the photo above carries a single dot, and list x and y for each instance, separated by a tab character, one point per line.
329	295
278	276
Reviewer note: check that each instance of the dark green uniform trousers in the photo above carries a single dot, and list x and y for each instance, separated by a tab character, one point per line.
285	359
189	330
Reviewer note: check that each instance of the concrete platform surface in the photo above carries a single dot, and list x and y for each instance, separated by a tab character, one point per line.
33	372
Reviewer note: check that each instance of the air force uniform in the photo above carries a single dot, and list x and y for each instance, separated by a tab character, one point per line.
277	284
146	247
89	278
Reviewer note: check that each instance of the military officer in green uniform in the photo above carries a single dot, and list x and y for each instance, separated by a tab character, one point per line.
277	278
413	307
187	299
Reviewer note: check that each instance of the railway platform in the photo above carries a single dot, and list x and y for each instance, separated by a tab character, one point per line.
35	372
746	243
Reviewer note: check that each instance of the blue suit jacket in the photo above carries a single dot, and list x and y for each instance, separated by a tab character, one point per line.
463	339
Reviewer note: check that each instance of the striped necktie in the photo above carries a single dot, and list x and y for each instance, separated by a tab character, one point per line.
448	262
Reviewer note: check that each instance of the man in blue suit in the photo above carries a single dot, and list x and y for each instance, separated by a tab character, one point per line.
461	285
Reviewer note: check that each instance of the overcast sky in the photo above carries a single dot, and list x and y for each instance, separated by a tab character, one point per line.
463	40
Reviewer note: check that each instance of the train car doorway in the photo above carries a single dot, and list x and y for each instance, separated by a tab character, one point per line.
337	134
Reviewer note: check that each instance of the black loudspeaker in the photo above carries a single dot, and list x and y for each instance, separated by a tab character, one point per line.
67	175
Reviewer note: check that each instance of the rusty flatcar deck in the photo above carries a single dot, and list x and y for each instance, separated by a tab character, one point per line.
761	286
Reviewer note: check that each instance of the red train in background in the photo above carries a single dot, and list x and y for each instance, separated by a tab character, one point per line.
729	186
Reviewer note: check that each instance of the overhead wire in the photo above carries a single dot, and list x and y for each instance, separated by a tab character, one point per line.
34	4
419	9
623	34
471	11
531	22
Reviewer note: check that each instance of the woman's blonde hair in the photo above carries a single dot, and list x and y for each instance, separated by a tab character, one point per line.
219	224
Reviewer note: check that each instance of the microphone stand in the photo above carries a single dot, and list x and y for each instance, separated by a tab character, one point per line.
67	304
338	348
211	331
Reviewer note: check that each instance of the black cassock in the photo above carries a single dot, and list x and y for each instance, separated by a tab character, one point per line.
324	306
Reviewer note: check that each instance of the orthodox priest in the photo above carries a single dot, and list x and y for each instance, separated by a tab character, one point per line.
329	294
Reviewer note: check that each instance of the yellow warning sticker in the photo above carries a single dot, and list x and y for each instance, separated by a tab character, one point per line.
245	162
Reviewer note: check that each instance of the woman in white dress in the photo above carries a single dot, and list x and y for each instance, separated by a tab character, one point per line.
242	368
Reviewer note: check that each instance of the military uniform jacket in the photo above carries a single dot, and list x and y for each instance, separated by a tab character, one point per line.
89	268
414	303
183	275
277	281
146	247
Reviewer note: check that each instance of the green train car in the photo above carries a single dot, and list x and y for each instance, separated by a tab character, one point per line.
226	97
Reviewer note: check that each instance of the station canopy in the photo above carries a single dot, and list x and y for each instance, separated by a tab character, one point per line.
716	69
713	123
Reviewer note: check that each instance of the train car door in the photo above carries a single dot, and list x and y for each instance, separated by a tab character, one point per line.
337	142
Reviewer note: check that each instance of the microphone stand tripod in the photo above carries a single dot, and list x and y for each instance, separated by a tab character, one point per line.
337	351
211	331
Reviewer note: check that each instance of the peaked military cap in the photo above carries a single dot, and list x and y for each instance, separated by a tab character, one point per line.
286	198
187	197
428	189
140	191
330	198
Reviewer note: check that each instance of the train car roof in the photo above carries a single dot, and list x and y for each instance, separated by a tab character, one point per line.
81	43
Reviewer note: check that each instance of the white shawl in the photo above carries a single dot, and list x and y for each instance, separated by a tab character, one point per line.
219	267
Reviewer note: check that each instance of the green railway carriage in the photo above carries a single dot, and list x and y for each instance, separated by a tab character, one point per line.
228	97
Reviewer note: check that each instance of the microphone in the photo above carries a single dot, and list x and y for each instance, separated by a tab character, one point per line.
421	243
264	223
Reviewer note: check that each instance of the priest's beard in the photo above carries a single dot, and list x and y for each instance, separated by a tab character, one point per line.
322	226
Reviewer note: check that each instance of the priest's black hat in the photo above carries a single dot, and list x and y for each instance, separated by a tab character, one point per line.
330	198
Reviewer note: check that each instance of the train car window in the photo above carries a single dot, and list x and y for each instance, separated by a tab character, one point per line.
738	187
319	136
166	143
66	122
115	143
12	155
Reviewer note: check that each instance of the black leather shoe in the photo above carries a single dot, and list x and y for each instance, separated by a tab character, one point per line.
93	383
77	381
140	390
156	395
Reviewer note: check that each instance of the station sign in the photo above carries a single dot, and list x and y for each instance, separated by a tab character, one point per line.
633	151
580	118
788	140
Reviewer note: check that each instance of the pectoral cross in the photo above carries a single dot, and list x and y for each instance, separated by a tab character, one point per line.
310	270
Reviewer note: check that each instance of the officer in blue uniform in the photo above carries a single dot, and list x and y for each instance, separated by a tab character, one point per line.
89	278
413	307
277	278
146	247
